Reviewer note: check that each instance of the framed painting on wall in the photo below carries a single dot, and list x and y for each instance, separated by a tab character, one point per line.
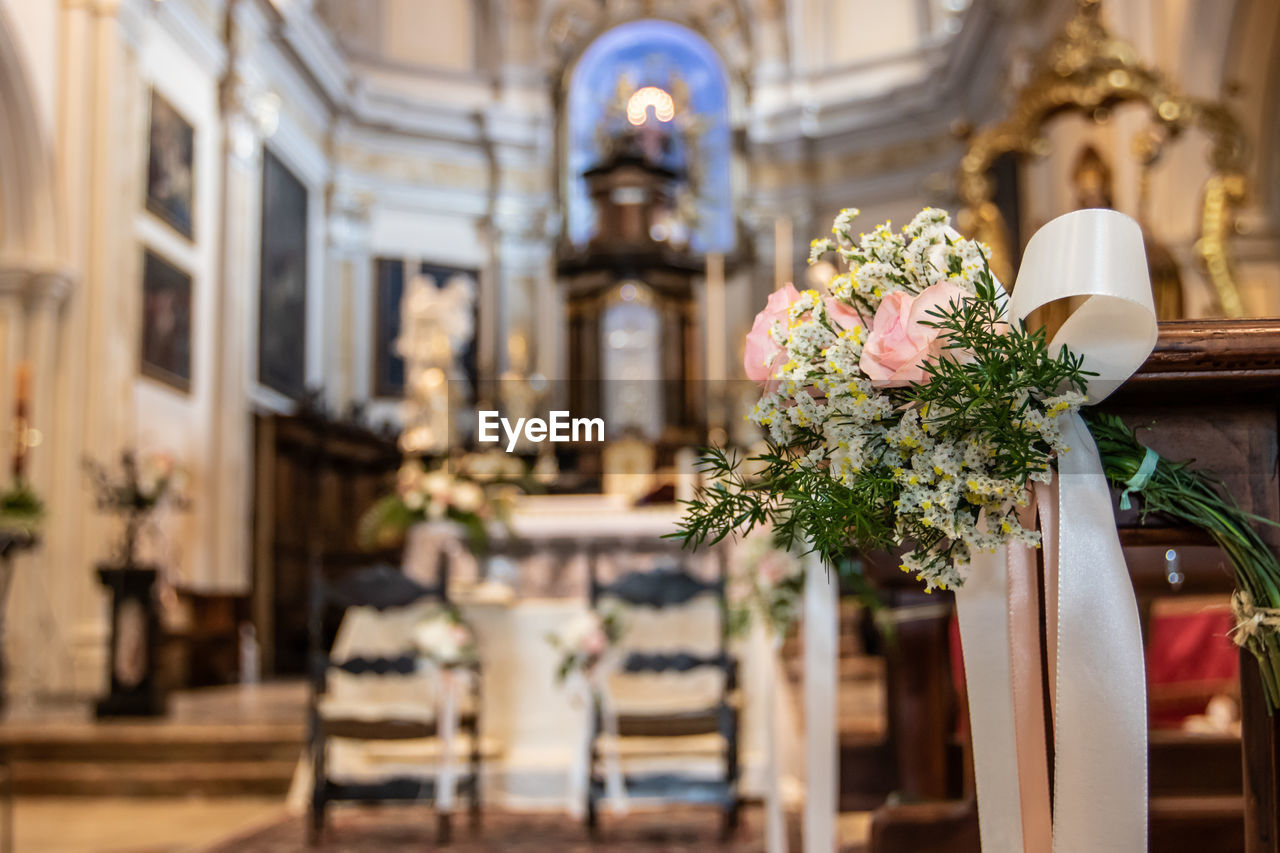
171	167
282	297
166	322
389	285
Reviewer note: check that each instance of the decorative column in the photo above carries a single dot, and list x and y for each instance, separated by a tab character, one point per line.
244	126
350	268
509	302
100	161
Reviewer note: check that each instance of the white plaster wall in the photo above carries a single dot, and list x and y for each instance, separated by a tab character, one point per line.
439	34
166	418
35	23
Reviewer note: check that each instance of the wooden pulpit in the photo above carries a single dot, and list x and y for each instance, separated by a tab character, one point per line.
1210	393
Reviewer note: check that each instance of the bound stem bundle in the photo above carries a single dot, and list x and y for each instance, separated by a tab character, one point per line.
1200	499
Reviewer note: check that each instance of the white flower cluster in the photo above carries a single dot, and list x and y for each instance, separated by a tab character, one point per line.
436	494
949	497
445	640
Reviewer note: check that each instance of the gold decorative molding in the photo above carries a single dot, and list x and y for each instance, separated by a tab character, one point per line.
1087	69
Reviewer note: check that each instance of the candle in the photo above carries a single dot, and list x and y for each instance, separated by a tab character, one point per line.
20	400
716	331
781	252
715	317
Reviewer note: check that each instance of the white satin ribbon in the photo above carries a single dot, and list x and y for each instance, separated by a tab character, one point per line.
449	687
766	647
822	749
1097	678
592	691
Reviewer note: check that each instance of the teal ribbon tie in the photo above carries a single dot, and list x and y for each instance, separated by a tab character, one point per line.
1141	477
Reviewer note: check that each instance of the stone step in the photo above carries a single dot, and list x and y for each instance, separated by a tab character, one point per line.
110	743
153	778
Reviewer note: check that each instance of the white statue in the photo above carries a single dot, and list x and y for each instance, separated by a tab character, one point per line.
436	325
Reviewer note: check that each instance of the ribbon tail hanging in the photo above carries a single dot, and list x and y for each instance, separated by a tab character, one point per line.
983	613
450	686
1100	714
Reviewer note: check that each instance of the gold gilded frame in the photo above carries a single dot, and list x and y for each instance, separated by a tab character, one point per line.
1087	68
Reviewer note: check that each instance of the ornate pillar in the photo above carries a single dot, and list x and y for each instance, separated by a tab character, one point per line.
99	155
522	266
350	268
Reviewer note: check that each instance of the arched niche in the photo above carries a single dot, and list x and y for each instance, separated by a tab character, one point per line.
617	67
1088	70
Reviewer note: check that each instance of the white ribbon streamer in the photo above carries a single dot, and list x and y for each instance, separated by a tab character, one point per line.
822	749
766	646
592	691
1097	679
448	690
983	615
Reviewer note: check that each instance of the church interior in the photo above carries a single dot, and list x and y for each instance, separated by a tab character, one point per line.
331	326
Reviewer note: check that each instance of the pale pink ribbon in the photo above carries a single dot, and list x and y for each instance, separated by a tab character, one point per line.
1096	675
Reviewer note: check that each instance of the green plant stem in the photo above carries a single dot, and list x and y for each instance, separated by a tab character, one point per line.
1177	490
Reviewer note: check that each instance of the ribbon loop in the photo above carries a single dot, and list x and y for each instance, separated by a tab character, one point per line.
1095	259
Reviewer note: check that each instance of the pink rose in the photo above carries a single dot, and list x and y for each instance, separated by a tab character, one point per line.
845	316
762	356
900	345
594	643
773	568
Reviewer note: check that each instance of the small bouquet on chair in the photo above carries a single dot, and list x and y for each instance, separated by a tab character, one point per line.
445	640
447	650
587	646
584	641
768	585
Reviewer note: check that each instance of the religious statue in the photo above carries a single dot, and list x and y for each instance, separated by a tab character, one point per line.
1091	180
437	322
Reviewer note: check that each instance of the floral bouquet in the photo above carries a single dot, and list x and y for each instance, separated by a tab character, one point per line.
584	641
902	408
445	640
770	586
426	493
21	509
142	486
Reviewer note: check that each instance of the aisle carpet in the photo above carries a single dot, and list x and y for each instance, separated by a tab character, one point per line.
374	829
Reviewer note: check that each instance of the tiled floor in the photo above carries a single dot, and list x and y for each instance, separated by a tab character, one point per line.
133	825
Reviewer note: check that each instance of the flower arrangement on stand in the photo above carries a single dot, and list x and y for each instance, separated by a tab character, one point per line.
21	510
144	484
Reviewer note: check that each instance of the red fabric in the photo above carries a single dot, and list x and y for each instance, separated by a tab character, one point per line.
1190	659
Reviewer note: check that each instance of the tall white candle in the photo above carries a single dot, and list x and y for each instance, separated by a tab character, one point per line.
716	324
781	251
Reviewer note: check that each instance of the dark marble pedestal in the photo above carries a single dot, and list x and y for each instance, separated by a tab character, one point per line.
135	635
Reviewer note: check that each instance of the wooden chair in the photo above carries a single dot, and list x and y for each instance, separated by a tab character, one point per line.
383	588
671	584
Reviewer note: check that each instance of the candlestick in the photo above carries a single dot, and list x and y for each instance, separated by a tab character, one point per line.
782	253
21	398
715	317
